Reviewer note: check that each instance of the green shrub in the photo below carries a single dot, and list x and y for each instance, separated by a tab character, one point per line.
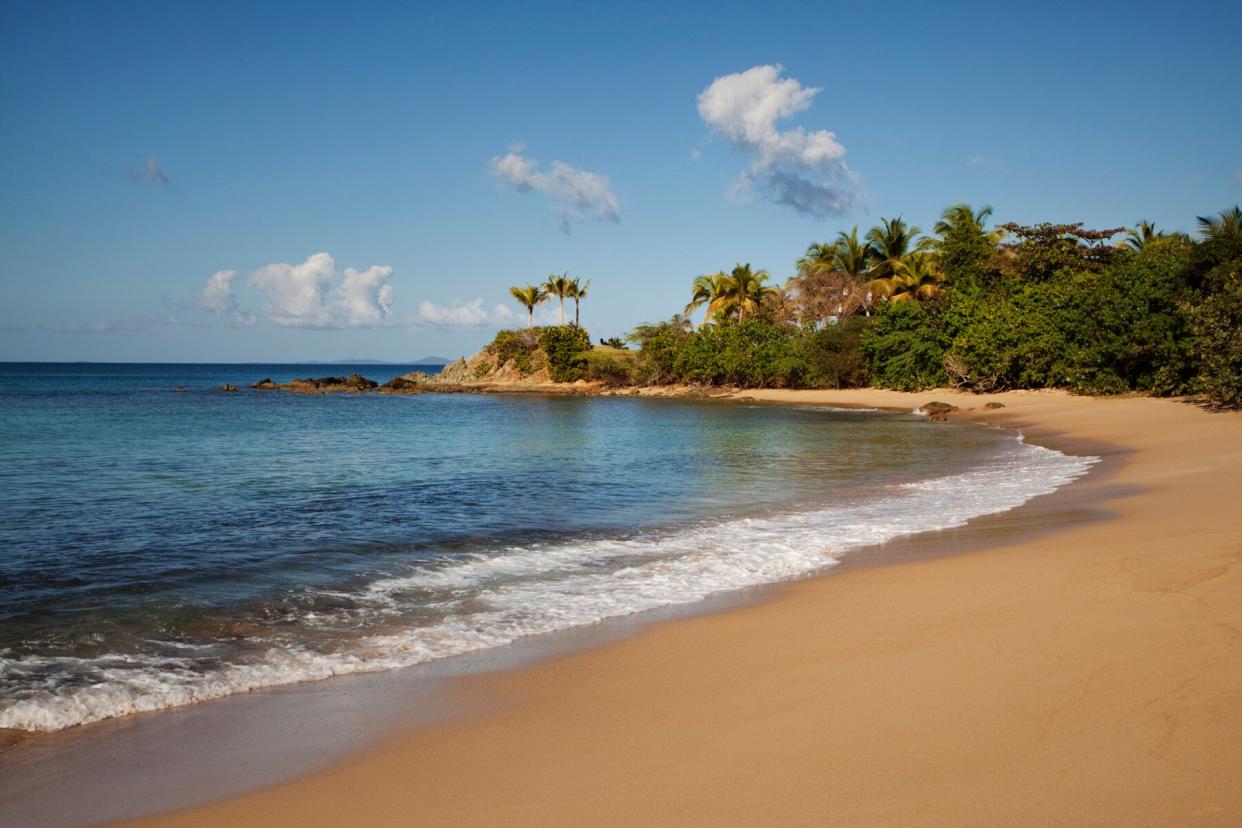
905	346
834	354
518	346
1218	343
612	366
565	347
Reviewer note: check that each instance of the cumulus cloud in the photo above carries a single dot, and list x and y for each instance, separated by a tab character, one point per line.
314	294
462	314
576	194
150	171
793	167
218	298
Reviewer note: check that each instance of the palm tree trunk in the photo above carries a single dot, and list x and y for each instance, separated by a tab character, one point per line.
562	311
577	320
530	318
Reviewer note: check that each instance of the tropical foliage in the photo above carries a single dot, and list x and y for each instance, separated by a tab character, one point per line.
975	306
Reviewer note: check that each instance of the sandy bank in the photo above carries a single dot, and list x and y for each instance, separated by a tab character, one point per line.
1086	677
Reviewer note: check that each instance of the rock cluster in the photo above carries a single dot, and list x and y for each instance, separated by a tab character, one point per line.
938	412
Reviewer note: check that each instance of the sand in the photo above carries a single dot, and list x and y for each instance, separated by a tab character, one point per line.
1086	676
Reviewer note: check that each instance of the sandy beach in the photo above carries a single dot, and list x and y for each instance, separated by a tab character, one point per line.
1086	676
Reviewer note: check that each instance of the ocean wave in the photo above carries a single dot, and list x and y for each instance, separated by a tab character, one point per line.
515	592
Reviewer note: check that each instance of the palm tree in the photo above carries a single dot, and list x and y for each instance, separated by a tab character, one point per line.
707	290
1144	232
530	297
578	292
891	241
852	256
963	216
915	277
820	258
744	292
781	305
1226	225
559	286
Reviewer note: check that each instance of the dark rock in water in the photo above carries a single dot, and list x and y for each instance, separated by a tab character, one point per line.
403	385
323	385
228	388
180	389
938	412
993	405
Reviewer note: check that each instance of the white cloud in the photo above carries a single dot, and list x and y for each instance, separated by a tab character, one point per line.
576	194
799	169
463	314
314	295
218	298
150	172
696	154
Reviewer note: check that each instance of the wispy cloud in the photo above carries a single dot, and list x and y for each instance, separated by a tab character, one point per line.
576	194
150	171
1238	178
470	314
793	167
314	294
986	162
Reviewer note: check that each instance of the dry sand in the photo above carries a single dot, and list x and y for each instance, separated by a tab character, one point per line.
1089	676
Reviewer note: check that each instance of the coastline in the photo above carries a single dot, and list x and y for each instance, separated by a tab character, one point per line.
1087	676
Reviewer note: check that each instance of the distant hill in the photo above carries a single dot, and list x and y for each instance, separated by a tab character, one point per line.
431	360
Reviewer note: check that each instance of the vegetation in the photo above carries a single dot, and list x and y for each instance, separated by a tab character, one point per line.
977	307
530	297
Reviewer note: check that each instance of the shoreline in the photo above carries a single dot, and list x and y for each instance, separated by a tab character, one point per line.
1088	676
384	695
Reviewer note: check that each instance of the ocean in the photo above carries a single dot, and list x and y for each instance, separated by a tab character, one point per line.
162	548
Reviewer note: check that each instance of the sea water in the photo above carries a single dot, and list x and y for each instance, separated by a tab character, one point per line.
160	548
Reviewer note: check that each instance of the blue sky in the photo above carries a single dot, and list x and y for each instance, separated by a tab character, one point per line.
146	148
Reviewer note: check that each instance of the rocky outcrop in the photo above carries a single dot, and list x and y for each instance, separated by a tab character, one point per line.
353	384
992	406
938	412
228	388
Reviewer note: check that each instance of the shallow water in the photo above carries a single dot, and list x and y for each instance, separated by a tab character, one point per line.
161	548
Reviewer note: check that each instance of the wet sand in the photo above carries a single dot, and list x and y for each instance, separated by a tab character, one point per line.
1087	676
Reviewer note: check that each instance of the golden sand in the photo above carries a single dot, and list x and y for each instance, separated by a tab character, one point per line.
1089	676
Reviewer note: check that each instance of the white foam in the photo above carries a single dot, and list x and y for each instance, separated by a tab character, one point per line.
528	590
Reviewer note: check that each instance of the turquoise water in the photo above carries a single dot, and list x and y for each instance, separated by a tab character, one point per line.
161	548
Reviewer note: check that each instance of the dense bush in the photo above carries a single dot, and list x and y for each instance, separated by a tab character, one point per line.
1218	344
905	347
757	352
1038	306
518	346
565	347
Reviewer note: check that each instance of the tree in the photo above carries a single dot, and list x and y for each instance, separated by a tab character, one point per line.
961	215
891	240
916	277
1141	234
819	258
852	256
560	287
781	305
707	291
744	292
578	292
1226	225
530	297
